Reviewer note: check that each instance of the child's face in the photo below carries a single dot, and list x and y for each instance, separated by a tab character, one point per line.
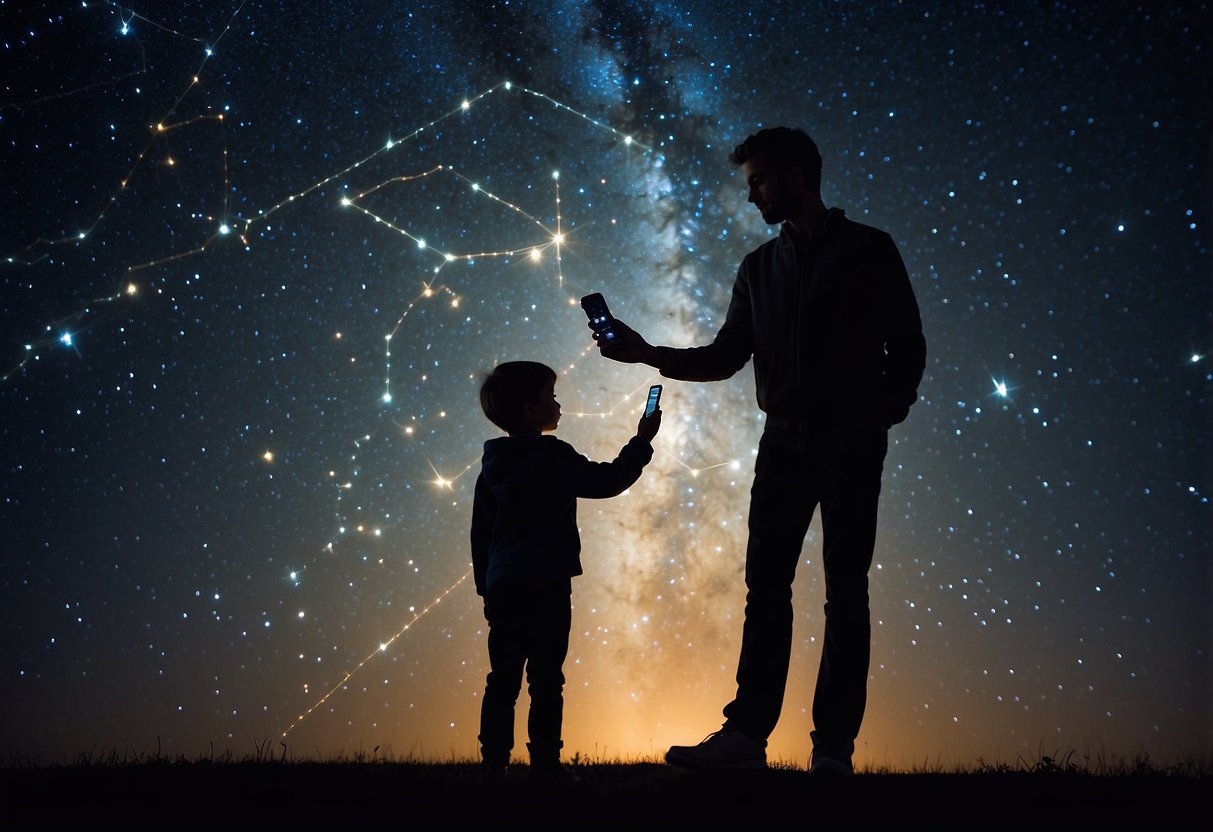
546	410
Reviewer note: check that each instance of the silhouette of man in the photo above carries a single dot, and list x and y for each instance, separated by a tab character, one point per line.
827	312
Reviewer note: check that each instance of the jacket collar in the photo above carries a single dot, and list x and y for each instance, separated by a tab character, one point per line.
826	224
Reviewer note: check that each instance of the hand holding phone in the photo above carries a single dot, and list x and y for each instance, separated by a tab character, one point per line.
600	317
654	400
650	422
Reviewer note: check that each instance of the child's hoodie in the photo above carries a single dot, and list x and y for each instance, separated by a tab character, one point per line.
524	517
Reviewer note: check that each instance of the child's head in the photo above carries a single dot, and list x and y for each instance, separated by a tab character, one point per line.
519	397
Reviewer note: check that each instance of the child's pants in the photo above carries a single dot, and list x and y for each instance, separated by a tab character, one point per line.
528	627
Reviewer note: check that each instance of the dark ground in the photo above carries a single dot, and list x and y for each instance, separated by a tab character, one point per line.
404	796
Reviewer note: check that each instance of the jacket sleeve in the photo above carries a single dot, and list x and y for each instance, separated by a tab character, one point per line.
607	479
905	348
728	353
484	515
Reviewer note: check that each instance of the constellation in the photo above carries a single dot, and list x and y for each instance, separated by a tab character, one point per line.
381	649
34	251
126	20
545	247
39	248
128	16
550	239
224	225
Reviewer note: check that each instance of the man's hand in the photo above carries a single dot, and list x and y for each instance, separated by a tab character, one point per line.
649	425
627	347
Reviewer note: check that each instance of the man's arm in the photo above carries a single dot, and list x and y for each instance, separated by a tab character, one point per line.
728	352
905	347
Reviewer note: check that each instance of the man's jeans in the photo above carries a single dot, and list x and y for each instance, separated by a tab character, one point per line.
794	473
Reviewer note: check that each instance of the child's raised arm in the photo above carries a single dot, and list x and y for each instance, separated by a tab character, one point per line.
609	479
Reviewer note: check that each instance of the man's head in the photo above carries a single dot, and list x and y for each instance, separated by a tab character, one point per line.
782	167
784	149
520	397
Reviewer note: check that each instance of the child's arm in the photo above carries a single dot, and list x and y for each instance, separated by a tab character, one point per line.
484	515
609	479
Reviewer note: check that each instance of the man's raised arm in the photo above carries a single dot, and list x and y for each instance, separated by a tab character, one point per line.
728	353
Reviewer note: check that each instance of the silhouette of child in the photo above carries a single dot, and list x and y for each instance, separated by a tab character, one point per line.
526	549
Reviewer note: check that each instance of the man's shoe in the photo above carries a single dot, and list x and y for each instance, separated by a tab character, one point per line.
831	754
825	764
728	748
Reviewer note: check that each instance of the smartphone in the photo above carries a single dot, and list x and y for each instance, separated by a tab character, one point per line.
600	317
654	399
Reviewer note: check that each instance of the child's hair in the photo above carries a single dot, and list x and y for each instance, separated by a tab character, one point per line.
509	387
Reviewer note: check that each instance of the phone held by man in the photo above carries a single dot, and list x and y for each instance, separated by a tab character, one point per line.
601	322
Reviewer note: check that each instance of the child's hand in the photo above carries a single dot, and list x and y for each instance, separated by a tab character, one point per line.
649	425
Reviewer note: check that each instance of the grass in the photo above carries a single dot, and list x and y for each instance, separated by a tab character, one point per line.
266	751
268	787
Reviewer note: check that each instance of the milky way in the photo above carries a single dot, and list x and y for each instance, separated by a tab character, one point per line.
256	259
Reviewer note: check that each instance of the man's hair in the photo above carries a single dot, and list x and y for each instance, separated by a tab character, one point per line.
784	148
508	387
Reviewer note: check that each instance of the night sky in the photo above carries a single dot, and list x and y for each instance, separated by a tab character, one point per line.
256	256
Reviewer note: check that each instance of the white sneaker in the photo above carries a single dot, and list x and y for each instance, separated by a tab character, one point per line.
728	748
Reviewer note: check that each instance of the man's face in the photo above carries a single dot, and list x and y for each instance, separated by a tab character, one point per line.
770	190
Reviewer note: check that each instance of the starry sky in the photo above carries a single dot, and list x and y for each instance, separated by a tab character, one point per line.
256	256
